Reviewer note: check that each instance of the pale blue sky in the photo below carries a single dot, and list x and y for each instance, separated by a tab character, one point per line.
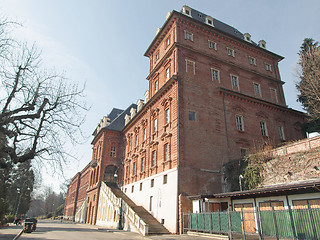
102	43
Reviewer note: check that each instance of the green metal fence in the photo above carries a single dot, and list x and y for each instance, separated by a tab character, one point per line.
302	224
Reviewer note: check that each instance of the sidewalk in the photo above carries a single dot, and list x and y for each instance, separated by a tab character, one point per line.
10	232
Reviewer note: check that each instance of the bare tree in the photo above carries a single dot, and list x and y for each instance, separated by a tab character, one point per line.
39	108
309	86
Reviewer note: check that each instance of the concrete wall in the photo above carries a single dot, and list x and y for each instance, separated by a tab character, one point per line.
164	197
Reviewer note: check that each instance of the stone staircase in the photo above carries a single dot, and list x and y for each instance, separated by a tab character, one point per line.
154	227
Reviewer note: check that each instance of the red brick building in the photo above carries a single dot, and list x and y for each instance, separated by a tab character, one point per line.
213	94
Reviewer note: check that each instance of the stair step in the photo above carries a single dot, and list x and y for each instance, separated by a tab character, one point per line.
153	224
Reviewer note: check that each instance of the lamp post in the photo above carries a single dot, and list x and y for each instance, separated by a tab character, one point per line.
240	181
120	227
18	205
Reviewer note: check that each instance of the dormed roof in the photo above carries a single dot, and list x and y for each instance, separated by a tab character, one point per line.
119	122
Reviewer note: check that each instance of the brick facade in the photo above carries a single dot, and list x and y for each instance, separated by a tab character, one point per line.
211	97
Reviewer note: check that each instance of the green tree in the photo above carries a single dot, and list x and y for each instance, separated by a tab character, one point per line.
309	85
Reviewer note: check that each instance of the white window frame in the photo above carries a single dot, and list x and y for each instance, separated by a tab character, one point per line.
257	93
230	52
234	77
239	123
167	115
168	41
193	66
137	140
156	85
144	134
212	45
167	73
153	158
215	77
208	18
155	125
188	35
252	60
166	152
263	128
268	67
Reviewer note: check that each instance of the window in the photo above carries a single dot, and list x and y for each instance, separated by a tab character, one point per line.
268	67
166	152
239	123
165	179
132	189
190	66
167	115
263	128
243	152
168	41
273	93
140	186
156	85
230	52
150	203
281	133
137	140
153	163
212	45
192	116
234	82
155	125
188	35
144	134
129	145
127	171
152	183
157	56
209	21
252	61
256	88
142	164
168	73
113	152
134	168
215	74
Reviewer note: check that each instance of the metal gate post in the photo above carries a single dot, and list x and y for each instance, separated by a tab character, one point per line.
243	230
229	225
275	222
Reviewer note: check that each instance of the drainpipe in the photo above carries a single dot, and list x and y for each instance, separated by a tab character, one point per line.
225	120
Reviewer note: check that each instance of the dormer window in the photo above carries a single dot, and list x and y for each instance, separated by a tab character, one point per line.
186	10
209	21
262	44
247	37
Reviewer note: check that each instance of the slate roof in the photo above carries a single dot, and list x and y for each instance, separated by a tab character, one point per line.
118	122
201	17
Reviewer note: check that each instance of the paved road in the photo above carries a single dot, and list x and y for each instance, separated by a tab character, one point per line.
54	230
